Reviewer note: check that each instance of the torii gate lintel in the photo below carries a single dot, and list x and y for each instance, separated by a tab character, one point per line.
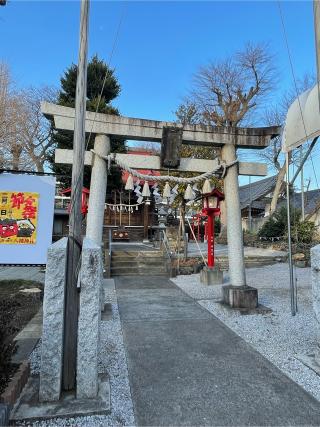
152	130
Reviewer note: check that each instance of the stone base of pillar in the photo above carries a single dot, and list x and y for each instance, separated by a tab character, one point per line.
240	296
29	408
211	276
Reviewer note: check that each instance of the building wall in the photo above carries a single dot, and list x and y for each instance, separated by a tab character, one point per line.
256	223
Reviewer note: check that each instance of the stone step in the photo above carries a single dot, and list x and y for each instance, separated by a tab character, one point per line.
135	254
137	264
138	259
131	271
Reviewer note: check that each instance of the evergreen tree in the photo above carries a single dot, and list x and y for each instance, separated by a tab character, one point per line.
97	70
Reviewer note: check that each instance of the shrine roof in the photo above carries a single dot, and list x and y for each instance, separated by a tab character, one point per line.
256	190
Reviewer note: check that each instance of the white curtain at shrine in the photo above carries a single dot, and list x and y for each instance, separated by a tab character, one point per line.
302	120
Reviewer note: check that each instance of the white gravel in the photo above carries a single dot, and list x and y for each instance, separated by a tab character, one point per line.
279	336
112	360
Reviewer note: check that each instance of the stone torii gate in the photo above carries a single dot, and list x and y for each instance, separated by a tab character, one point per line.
223	138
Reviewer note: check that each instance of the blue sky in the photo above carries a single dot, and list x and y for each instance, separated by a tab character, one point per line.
160	44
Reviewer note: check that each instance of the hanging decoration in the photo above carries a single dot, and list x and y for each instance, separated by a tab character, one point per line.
146	190
166	191
123	206
168	195
137	190
188	194
129	183
206	187
175	189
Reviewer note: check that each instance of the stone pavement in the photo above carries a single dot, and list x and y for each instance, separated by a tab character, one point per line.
187	368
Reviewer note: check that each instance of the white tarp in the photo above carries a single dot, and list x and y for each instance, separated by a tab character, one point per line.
27	206
302	121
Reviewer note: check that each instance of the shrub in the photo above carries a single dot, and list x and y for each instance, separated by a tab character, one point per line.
277	226
303	232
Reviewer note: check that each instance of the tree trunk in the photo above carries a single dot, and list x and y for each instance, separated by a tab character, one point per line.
16	151
277	188
39	165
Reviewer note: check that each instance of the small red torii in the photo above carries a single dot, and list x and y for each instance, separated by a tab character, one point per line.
84	199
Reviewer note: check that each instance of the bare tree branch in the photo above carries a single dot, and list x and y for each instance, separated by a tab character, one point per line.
225	92
25	139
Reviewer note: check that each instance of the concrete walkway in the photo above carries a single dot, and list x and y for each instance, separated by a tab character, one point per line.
187	368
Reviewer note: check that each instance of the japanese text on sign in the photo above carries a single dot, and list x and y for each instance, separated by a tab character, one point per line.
18	217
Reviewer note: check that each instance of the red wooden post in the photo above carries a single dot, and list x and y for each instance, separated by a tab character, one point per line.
210	231
193	227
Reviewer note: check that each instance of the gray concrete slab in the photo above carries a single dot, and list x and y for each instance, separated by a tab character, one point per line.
196	371
28	337
133	282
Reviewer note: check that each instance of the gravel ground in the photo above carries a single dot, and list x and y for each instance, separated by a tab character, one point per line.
279	336
112	360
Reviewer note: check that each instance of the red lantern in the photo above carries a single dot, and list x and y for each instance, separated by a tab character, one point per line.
211	208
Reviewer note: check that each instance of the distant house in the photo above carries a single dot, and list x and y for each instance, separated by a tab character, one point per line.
311	205
258	196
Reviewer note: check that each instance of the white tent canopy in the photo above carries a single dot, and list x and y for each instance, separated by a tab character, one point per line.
302	121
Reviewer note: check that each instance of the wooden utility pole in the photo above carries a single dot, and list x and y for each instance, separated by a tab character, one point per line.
75	217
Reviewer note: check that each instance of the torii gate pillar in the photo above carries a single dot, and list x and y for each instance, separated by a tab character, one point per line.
234	226
98	188
238	294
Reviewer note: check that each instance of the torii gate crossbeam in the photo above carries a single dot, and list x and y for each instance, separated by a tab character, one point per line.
151	130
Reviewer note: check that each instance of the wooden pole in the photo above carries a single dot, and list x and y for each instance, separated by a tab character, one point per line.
145	221
292	287
75	218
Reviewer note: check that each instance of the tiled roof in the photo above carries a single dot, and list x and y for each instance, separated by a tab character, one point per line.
259	189
312	199
256	190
